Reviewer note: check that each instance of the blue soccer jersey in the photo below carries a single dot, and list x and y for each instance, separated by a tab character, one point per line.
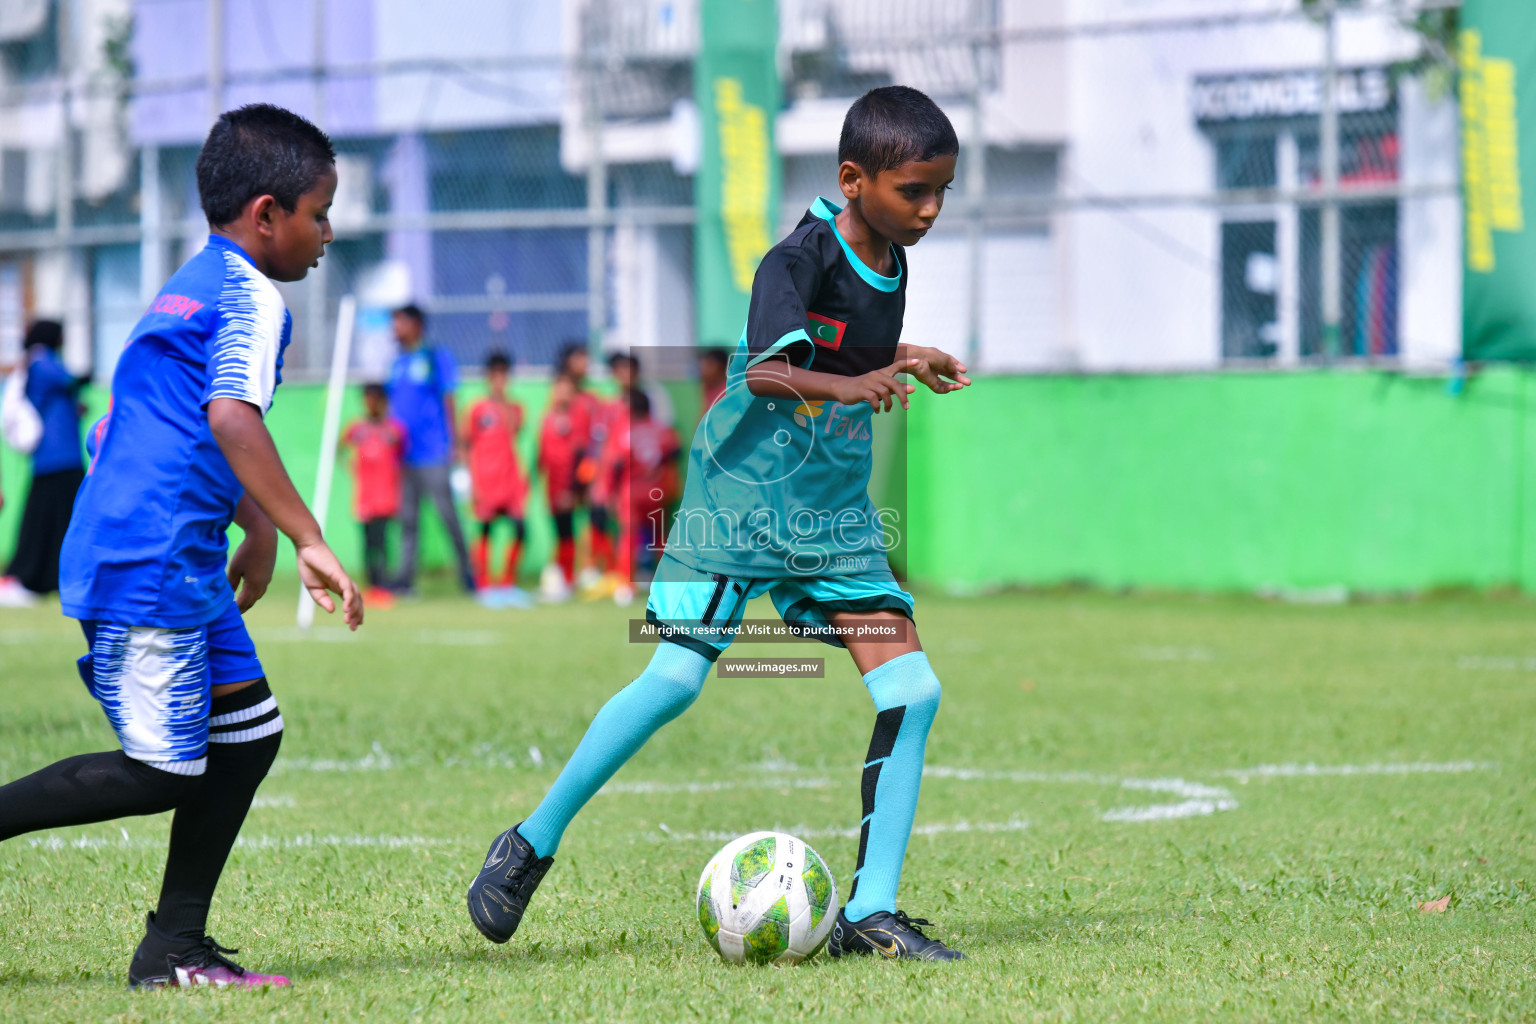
419	385
147	544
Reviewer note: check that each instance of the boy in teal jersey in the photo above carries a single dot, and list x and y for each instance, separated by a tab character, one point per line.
777	503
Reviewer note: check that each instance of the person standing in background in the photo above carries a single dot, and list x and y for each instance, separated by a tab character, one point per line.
593	417
378	449
625	367
713	363
500	487
421	386
564	434
57	468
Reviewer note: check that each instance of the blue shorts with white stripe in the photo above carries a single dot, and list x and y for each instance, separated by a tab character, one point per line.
155	687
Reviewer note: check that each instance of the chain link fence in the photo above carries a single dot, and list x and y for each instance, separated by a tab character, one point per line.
1262	184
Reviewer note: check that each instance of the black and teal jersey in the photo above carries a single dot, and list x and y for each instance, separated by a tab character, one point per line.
778	486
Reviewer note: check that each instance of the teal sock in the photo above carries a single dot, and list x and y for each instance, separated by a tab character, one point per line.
906	694
670	683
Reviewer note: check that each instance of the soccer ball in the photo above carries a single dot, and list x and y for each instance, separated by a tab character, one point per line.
766	898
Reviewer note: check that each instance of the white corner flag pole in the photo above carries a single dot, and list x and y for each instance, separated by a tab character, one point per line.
341	357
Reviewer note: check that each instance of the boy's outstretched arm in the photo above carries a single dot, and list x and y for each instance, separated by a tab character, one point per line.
251	564
777	377
243	438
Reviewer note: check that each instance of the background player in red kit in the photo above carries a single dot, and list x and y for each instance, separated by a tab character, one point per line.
637	481
499	486
378	450
599	415
565	437
712	374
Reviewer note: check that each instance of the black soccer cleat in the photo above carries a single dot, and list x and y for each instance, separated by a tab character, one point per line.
893	936
164	961
501	891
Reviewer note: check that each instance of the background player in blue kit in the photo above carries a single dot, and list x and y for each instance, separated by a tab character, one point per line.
182	454
777	503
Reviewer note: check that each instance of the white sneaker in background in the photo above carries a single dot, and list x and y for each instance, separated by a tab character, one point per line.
14	595
553	588
588	578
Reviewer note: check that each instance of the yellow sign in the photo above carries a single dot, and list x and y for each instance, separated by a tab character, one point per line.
1490	150
745	180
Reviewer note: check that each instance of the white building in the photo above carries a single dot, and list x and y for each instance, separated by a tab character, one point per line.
1150	191
1120	136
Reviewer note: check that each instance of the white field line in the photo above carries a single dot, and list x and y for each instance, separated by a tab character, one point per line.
279	800
1497	662
805	832
1174	653
258	842
715	786
481	756
1292	770
376	761
1194	799
1169	812
1199	799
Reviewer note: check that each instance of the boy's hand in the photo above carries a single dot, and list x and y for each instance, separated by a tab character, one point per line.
877	387
256	556
252	566
322	574
931	366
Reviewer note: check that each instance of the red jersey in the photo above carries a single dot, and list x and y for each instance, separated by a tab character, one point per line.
643	460
491	434
565	435
378	447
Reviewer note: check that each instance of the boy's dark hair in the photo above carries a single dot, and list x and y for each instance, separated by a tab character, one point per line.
259	150
375	391
47	333
639	403
715	354
888	126
411	311
569	351
498	361
628	359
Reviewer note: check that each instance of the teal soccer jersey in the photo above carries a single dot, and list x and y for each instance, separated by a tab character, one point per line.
779	487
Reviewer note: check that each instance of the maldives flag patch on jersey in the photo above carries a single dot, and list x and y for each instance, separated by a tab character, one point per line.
825	331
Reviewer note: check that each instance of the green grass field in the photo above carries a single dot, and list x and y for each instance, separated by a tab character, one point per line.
1137	809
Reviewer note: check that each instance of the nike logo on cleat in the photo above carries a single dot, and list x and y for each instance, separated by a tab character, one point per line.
497	855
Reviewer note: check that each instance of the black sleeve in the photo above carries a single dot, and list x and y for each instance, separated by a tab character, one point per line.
786	283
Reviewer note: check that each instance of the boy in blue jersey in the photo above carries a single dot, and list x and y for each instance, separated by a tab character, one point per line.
777	503
182	454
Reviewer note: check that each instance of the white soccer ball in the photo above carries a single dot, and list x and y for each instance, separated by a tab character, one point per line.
766	898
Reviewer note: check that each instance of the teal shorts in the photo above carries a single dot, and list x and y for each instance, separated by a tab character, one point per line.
703	609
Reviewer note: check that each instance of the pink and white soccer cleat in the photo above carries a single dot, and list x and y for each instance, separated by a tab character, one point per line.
162	961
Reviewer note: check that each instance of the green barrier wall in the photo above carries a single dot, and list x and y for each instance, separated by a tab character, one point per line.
1227	481
1232	481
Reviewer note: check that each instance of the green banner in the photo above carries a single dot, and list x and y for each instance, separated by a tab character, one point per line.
1497	55
736	196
